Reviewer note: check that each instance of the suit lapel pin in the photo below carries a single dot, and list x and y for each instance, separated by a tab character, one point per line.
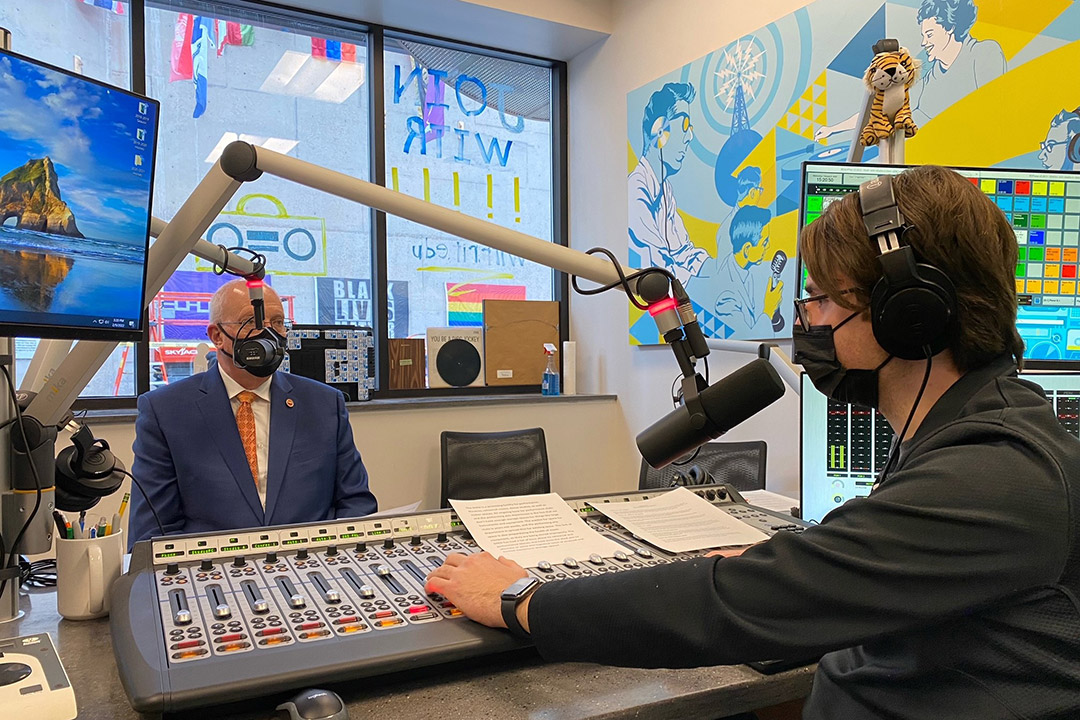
289	402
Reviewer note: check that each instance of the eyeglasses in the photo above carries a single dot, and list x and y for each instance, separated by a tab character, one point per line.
1049	145
803	314
687	127
278	324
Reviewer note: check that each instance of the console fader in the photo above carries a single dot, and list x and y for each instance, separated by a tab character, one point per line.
213	618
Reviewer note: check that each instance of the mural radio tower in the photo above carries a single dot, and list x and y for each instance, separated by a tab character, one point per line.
737	75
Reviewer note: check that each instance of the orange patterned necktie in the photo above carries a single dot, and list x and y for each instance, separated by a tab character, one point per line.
245	422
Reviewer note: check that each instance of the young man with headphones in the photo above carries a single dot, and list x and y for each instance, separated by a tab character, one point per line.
242	445
951	591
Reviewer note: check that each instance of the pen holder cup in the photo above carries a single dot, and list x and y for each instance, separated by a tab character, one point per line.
85	572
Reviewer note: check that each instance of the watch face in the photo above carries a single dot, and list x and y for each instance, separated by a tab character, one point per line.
519	587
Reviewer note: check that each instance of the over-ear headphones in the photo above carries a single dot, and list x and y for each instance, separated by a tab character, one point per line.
660	132
260	354
1073	151
86	472
693	475
913	305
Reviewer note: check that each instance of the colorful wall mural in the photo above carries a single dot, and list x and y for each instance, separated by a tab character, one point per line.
715	148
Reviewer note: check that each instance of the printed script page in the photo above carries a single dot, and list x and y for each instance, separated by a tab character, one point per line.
680	521
531	528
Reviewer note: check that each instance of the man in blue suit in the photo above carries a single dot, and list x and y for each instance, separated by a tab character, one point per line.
226	449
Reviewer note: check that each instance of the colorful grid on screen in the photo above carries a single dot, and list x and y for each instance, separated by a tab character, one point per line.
1045	215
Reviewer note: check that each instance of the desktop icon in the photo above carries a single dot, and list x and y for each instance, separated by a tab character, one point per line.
138	160
144	108
140	134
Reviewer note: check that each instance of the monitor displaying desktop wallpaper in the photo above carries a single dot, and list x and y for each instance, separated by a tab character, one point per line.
76	178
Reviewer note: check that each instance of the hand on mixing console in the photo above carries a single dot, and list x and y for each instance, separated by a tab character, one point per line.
729	552
475	584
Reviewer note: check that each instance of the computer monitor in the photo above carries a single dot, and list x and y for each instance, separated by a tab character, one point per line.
1044	209
76	178
844	447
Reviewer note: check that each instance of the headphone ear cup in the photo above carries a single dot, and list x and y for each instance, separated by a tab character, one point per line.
94	480
916	315
697	475
662	139
1074	149
71	502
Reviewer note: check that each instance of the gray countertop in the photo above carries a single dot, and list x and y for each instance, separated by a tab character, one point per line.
518	685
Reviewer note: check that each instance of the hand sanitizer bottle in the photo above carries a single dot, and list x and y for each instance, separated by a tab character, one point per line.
550	383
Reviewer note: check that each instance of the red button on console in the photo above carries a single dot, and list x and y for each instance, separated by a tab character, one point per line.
270	631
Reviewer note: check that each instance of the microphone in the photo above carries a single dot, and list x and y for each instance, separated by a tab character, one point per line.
653	289
726	403
779	260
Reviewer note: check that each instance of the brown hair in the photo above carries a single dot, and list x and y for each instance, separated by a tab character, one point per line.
955	227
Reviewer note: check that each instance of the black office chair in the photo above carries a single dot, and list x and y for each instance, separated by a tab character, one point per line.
483	465
741	464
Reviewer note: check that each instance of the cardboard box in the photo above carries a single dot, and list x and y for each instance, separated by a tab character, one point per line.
514	335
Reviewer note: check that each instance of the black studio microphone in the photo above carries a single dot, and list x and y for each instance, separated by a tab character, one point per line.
726	403
779	260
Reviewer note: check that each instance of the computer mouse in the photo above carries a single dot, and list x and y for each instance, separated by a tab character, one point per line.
314	704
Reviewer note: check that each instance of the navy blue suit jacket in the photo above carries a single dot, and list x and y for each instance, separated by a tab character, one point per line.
190	460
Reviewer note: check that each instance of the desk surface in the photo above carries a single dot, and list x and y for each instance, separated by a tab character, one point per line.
505	687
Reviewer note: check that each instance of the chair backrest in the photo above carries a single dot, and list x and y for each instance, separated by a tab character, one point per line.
741	464
483	465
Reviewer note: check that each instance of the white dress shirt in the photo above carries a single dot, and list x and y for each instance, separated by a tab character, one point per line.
260	407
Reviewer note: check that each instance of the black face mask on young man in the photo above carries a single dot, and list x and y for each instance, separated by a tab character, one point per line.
815	350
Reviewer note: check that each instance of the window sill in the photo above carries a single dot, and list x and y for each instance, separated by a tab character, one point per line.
104	417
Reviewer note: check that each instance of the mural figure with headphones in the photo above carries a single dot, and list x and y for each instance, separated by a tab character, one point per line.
657	233
242	445
965	547
1061	148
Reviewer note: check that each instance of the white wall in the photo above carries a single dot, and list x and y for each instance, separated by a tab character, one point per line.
649	38
589	446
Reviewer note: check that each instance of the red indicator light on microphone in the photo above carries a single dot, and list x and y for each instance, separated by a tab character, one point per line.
662	306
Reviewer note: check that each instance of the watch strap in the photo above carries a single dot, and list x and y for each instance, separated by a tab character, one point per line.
509	612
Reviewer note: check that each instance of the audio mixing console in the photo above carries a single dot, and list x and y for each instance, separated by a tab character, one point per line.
213	618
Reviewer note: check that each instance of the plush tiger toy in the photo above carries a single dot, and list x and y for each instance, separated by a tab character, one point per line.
890	77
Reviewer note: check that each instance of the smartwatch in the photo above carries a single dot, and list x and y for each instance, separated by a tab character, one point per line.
511	598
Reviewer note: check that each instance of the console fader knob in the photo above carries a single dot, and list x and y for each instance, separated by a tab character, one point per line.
441	538
239	561
388	543
302	554
416	541
206	565
172	569
331	551
361	547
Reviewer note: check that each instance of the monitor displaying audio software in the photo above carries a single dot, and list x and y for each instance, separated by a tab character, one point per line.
76	178
1044	209
844	447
